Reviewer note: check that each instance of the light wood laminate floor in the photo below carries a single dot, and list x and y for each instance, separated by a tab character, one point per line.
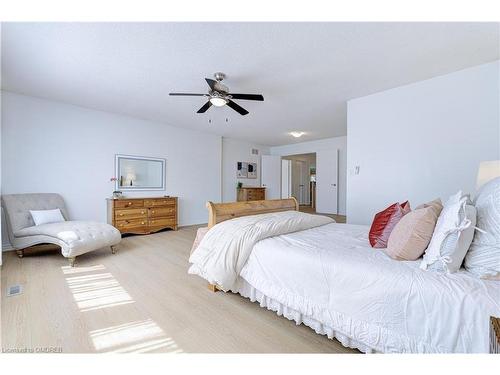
138	300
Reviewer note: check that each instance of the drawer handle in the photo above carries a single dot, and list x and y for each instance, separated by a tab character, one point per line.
121	214
142	223
153	211
142	212
129	203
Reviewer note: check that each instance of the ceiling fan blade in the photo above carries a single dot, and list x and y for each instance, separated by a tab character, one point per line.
206	106
248	97
242	111
211	83
185	94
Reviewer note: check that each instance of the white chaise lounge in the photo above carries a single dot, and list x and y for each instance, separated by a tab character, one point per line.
74	237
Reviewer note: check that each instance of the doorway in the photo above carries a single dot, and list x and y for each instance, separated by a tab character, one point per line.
299	178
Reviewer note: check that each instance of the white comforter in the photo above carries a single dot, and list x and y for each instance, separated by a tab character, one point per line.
226	247
331	275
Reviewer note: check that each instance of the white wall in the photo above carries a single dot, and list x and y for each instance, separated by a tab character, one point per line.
233	151
54	147
339	143
421	141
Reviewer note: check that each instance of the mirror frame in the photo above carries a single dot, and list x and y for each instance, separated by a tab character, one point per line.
124	188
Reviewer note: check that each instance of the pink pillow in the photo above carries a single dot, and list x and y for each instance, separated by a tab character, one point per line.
384	222
412	234
200	233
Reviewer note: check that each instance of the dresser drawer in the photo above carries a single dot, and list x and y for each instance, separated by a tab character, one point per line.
161	202
131	224
255	195
162	211
133	203
131	213
162	222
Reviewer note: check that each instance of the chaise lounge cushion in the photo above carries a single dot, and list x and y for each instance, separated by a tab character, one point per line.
75	237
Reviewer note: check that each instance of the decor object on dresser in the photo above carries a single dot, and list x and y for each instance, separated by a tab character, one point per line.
384	222
139	173
74	237
250	193
143	215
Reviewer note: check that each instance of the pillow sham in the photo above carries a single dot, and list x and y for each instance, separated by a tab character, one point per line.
483	257
412	234
46	216
384	222
452	236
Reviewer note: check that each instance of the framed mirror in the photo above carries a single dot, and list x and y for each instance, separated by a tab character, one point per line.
139	173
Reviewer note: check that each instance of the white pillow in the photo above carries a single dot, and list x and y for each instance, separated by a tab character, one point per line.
452	236
46	216
483	258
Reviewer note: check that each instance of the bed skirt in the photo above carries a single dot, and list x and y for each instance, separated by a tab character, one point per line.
254	295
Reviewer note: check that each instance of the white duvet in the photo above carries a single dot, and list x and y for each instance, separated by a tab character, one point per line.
331	277
225	248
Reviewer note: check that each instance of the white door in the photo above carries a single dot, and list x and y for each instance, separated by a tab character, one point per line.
271	176
299	181
286	179
327	181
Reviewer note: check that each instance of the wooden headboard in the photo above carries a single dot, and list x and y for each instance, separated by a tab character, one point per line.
218	212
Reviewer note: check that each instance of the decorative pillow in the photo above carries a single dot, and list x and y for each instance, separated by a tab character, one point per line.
200	233
412	234
384	222
483	258
452	236
436	204
46	216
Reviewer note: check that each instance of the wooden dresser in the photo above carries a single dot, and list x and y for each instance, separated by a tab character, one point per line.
250	194
143	215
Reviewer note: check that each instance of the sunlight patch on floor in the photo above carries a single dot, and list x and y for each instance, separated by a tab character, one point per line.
68	270
96	291
134	337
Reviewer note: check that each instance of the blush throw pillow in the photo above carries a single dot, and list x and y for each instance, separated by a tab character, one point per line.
483	258
384	222
46	216
452	236
412	234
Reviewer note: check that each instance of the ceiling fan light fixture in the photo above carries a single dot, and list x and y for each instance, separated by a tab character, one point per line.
297	134
218	102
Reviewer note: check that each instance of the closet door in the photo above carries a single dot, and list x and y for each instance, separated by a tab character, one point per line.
327	181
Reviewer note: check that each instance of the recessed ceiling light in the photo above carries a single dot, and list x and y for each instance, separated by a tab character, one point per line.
297	134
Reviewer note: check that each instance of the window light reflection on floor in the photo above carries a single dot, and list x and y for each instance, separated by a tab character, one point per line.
97	291
134	337
94	288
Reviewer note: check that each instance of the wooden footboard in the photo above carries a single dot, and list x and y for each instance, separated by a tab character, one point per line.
219	212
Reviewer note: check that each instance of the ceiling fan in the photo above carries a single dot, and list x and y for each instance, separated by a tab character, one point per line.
219	95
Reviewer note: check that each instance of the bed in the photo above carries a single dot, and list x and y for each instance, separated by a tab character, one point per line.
325	275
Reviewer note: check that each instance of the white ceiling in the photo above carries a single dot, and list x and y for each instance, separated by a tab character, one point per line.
306	71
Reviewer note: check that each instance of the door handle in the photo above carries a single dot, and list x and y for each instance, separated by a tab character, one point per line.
334	184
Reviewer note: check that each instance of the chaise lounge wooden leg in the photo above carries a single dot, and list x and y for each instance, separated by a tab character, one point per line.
20	253
113	249
212	288
72	261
